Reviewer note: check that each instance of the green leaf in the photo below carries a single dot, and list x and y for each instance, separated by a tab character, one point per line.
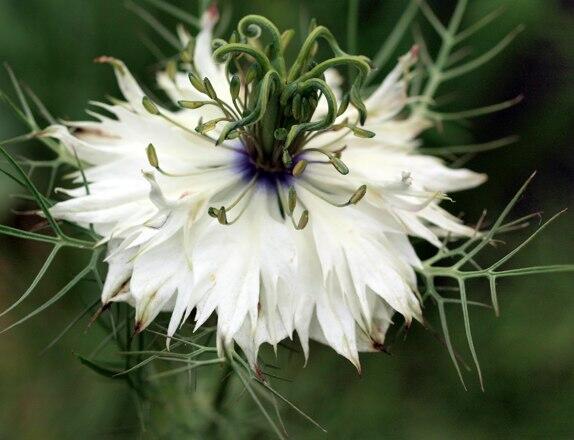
70	325
13	232
466	318
40	200
176	12
100	369
37	279
394	38
61	293
155	24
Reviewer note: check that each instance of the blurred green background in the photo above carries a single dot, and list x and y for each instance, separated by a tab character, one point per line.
527	354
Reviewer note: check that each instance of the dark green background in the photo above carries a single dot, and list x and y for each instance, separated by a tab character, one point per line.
527	354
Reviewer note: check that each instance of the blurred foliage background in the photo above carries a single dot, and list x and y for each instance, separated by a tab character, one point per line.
527	354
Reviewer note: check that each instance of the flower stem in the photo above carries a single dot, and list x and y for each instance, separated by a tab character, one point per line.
223	387
219	399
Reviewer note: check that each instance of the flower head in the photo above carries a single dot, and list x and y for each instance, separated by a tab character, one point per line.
272	199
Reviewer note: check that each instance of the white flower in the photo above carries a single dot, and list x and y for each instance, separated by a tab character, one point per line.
339	280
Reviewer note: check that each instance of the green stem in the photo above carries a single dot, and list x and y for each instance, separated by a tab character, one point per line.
436	70
223	387
219	399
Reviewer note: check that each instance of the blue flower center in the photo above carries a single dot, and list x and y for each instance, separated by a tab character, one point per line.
269	174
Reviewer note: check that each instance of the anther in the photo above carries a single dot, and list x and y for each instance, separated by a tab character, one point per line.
299	168
362	133
206	127
251	74
150	106
221	213
209	90
222	216
196	83
286	157
358	195
234	86
339	165
152	156
303	220
292	201
192	104
187	54
171	70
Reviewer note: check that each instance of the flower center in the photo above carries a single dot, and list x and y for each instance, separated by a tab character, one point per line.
268	172
274	110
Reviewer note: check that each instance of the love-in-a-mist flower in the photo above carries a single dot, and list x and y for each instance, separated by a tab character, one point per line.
274	199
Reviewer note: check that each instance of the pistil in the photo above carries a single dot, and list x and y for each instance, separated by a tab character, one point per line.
272	108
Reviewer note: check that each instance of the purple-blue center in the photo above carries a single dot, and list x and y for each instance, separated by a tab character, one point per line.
269	176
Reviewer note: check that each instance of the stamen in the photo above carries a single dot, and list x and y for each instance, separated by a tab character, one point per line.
186	55
292	201
208	126
171	70
196	82
152	156
334	159
355	198
154	162
209	90
361	132
222	216
291	205
221	213
234	87
299	167
303	220
339	165
358	195
271	110
193	105
150	106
